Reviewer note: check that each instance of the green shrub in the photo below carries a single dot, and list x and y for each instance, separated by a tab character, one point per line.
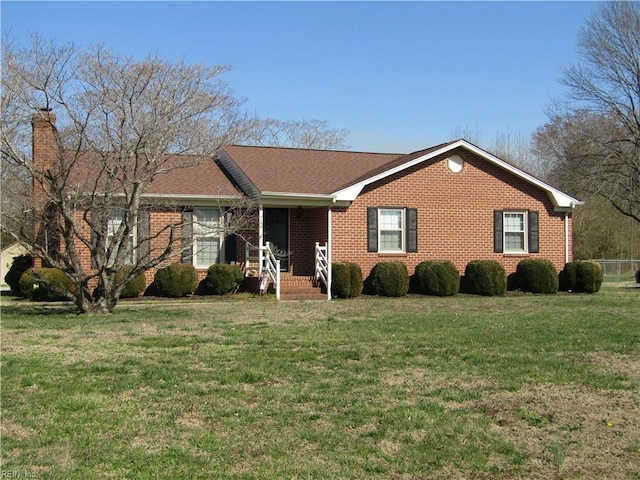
581	277
222	278
567	277
134	286
589	277
20	264
437	277
485	277
357	284
537	276
390	279
176	280
46	285
346	279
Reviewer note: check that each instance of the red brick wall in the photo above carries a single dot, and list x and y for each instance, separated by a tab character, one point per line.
455	215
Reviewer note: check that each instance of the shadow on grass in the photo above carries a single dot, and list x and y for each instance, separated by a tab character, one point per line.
14	305
39	310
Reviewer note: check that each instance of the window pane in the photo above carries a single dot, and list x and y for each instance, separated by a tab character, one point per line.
390	220
513	241
390	240
113	224
514	222
206	221
208	250
115	219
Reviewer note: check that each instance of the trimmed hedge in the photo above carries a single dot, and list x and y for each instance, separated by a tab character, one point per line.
485	277
222	278
20	264
437	277
346	279
582	277
537	276
390	279
46	285
134	286
176	280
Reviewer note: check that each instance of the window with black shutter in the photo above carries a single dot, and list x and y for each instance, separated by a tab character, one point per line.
515	231
392	229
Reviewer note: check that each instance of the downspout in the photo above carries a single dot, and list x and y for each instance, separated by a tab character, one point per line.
329	254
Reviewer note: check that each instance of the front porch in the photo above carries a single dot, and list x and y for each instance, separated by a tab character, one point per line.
264	274
290	253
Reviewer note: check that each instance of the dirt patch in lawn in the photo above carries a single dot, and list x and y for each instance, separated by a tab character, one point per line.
572	431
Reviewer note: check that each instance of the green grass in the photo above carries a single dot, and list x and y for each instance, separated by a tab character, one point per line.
409	388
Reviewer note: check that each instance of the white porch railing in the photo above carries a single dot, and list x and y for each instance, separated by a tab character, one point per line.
265	265
270	269
323	271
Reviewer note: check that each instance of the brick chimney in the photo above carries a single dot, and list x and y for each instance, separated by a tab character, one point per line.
44	151
43	125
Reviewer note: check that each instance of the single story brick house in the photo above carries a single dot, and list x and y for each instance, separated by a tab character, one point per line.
453	201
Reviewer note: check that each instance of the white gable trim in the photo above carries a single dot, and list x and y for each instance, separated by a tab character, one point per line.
561	201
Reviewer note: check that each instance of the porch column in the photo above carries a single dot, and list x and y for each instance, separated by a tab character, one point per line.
260	239
567	253
329	253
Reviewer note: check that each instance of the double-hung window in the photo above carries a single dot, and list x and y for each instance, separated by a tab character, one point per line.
207	233
392	229
114	222
515	227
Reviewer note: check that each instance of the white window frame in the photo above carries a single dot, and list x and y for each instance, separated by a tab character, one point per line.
114	221
403	226
213	230
524	231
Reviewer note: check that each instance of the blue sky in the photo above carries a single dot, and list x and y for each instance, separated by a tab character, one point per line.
400	76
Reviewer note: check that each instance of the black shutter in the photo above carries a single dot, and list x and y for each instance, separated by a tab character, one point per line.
372	229
144	232
534	236
187	237
412	229
230	242
498	236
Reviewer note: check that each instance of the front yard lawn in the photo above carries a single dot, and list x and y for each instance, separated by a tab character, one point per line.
520	386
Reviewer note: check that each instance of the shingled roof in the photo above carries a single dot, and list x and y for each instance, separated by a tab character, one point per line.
203	180
298	171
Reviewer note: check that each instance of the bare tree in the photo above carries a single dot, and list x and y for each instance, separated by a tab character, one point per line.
570	146
516	148
114	125
315	134
605	86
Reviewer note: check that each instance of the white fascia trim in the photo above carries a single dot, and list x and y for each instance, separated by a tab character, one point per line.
296	199
560	200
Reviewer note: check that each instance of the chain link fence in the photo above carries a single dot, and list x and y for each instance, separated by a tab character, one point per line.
618	270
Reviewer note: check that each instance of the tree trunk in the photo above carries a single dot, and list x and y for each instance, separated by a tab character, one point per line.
87	304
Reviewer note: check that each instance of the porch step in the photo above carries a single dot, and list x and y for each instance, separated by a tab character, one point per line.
292	287
301	288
